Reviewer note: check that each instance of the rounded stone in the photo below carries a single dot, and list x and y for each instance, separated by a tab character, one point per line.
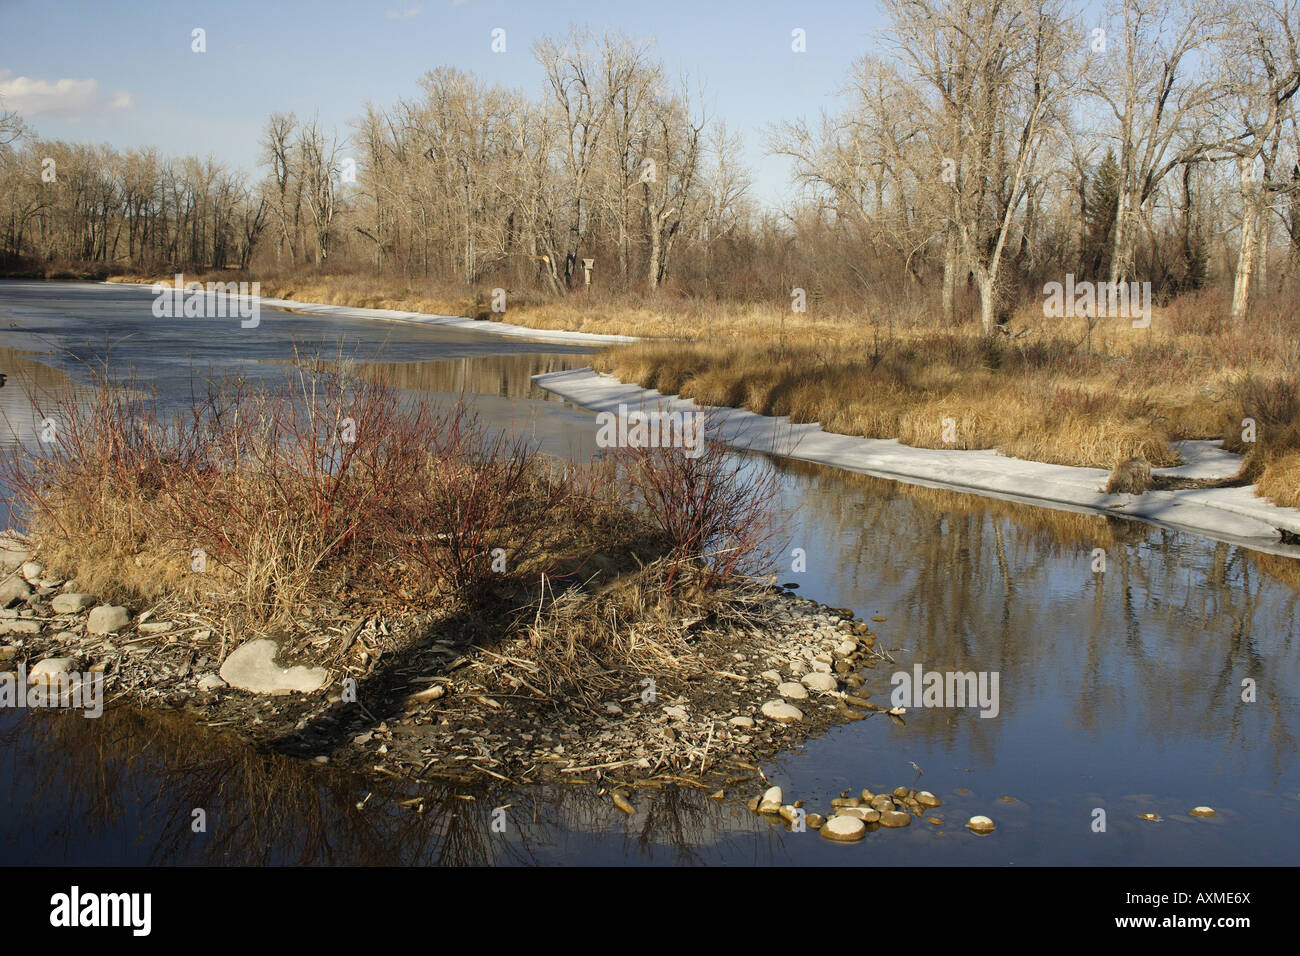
980	824
744	723
926	799
844	829
819	682
107	619
895	818
793	691
845	648
782	712
1203	812
902	792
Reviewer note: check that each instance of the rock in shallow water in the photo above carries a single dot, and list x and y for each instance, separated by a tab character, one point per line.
1203	812
844	829
980	825
252	667
895	818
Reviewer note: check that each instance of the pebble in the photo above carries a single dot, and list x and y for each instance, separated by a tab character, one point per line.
32	571
815	821
744	723
843	829
782	712
895	818
210	682
846	648
979	824
926	799
1203	812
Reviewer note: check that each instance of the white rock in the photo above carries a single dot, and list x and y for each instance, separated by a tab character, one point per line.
773	676
20	627
821	682
676	713
980	824
612	708
792	691
32	571
771	801
107	619
209	682
1203	812
252	667
70	602
155	627
845	648
14	589
844	828
744	723
781	712
50	667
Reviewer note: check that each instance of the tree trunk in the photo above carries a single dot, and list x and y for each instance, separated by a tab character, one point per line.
1248	254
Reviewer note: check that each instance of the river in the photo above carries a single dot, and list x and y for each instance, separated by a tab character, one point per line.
1120	690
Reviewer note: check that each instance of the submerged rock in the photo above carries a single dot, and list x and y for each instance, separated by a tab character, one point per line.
252	667
980	824
1203	812
895	818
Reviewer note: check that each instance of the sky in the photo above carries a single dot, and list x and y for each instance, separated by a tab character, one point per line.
125	74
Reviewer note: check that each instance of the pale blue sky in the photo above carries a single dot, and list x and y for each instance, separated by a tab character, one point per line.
123	72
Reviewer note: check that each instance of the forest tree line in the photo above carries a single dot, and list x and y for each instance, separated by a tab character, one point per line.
994	146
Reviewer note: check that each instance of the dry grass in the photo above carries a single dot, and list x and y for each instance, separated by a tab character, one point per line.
1051	390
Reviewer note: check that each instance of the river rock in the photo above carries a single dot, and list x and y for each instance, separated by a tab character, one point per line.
820	682
50	667
71	603
13	590
744	723
107	619
792	691
895	818
252	667
844	829
980	824
32	571
1203	812
882	802
865	814
782	712
926	799
13	555
845	648
210	682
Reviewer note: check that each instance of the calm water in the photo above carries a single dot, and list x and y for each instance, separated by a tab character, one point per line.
1119	690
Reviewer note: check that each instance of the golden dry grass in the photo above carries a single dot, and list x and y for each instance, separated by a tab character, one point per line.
1051	390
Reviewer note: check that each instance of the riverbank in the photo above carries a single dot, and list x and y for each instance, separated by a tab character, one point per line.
432	696
1069	391
1233	514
